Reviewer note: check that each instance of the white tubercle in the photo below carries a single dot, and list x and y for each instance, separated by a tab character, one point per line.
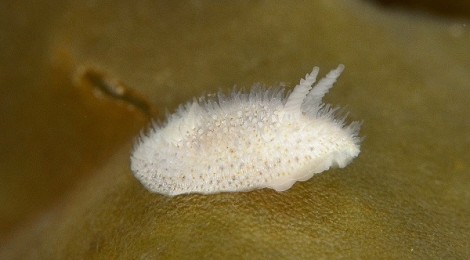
247	141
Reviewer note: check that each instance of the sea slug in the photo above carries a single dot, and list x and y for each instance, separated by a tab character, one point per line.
261	139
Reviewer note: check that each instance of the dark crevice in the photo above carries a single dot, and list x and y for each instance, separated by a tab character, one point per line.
445	8
116	90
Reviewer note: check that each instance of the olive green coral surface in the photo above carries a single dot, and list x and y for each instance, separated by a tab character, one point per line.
67	191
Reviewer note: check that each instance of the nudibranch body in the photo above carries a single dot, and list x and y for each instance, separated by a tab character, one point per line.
261	139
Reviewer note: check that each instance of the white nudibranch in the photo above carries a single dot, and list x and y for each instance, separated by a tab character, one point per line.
261	139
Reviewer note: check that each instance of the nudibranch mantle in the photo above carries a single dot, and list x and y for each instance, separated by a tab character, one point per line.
247	141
